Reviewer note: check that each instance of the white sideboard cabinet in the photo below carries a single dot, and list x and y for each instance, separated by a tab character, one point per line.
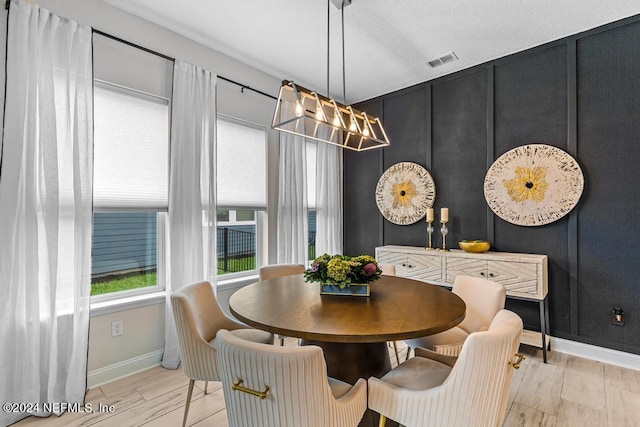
524	276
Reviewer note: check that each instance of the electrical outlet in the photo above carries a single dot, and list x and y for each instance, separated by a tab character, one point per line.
617	317
117	328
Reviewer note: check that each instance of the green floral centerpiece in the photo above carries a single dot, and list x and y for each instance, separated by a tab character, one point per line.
341	274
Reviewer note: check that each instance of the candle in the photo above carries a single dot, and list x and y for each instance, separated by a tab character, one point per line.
429	214
444	214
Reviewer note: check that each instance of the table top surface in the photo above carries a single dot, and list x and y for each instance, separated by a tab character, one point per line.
397	309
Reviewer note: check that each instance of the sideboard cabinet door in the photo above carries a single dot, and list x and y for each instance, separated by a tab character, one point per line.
398	259
518	278
465	267
425	267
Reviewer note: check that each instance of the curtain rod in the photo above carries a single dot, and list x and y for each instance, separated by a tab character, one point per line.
169	58
243	87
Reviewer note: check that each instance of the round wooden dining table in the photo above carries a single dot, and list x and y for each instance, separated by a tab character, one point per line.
352	330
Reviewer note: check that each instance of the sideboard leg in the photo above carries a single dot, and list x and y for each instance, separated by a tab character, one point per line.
546	310
543	328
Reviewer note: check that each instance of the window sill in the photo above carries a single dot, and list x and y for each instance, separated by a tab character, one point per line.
127	303
100	308
237	282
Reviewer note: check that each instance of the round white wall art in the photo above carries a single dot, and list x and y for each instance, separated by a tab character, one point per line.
533	185
404	193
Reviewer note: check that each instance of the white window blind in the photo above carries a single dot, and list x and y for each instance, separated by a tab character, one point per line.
311	174
241	161
131	150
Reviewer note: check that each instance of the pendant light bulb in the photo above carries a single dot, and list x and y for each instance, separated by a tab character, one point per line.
352	126
336	120
365	128
299	109
319	112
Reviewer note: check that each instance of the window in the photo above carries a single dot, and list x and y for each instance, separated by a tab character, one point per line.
132	90
241	194
311	198
311	218
245	215
130	188
237	249
223	216
124	254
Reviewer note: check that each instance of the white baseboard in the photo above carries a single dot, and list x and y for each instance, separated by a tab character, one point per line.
128	367
110	373
601	354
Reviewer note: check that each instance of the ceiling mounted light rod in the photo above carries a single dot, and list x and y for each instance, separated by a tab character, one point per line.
306	113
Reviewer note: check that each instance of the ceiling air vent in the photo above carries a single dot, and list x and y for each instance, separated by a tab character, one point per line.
449	57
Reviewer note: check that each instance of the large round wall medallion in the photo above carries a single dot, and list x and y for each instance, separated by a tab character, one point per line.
533	184
404	192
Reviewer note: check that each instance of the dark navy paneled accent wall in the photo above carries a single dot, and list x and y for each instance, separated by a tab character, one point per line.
362	220
580	94
407	126
608	67
459	133
530	99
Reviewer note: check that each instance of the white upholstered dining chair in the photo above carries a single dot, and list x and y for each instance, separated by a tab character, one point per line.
279	270
483	299
198	318
272	386
390	270
434	390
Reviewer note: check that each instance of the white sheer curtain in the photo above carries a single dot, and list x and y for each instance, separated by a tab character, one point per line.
292	199
328	199
192	250
45	210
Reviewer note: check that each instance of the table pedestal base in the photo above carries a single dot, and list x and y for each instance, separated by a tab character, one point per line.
350	361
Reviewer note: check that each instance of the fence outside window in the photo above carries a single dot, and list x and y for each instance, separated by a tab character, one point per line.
236	250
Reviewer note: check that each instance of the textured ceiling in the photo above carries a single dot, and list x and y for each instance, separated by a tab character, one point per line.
387	43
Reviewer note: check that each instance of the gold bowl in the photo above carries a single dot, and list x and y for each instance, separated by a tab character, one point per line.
475	246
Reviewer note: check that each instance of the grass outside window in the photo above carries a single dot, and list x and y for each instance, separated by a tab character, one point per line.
124	283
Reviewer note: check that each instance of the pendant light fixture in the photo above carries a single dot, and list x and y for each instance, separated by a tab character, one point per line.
306	113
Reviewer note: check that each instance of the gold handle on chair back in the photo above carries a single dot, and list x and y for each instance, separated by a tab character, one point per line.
519	358
261	394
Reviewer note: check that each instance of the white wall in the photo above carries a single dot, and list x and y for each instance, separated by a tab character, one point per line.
143	334
144	327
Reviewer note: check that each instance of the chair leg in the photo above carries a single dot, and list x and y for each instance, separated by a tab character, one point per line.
281	342
395	348
383	421
408	353
186	408
206	384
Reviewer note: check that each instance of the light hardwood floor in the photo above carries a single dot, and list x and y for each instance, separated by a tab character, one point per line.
568	391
